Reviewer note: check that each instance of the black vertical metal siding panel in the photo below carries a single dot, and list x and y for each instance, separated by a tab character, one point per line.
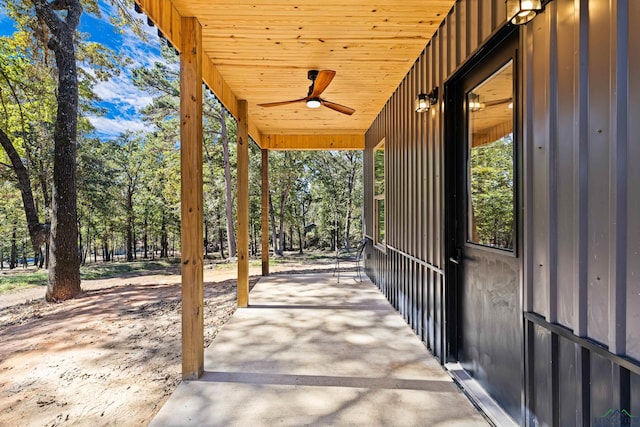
539	152
473	25
634	386
581	89
581	177
431	142
552	164
461	31
568	385
485	18
598	170
633	194
601	387
541	411
414	208
566	206
618	170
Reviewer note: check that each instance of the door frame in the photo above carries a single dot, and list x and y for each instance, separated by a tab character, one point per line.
453	133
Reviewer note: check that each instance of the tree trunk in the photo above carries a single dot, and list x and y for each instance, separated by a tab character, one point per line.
164	239
106	255
38	232
347	219
130	243
231	236
80	245
87	247
206	239
145	238
300	240
64	268
273	228
283	204
13	260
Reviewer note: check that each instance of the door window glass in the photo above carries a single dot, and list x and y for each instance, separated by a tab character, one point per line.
379	194
491	204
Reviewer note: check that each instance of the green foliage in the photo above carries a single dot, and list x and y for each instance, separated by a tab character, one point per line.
133	183
17	281
492	193
120	269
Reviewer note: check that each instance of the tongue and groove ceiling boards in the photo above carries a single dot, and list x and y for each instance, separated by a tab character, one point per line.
261	51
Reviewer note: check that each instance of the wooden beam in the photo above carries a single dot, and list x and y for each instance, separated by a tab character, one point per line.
313	142
243	204
191	229
265	212
166	18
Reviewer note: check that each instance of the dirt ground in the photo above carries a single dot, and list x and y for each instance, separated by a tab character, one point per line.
109	357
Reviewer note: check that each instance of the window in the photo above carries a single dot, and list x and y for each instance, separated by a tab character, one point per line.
491	204
379	195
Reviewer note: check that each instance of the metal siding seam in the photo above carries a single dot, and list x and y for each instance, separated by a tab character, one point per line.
582	178
552	291
599	172
527	136
618	178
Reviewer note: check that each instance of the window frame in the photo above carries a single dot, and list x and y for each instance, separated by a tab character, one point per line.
378	197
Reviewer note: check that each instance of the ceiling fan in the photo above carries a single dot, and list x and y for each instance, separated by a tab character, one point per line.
319	82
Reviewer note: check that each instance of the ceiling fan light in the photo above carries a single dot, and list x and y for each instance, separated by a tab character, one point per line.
313	103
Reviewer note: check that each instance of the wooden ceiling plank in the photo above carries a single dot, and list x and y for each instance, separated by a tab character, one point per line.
261	50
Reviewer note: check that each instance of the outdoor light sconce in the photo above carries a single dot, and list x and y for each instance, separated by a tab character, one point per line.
520	12
424	101
474	102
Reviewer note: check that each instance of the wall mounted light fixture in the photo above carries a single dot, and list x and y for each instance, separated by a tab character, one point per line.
474	102
522	11
424	101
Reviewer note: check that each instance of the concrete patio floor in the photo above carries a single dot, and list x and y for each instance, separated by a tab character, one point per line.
312	352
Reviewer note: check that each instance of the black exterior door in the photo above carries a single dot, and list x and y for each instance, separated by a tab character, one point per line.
485	266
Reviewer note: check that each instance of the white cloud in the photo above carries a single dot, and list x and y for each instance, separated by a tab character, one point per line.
120	90
142	53
111	128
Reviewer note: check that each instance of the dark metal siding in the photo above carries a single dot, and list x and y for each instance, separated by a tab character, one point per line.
410	272
581	134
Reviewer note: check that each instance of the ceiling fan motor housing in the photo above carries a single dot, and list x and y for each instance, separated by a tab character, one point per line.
312	75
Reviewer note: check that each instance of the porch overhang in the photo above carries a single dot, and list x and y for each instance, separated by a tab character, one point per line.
260	51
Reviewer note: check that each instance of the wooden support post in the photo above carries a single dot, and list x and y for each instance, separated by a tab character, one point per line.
265	212
191	199
243	204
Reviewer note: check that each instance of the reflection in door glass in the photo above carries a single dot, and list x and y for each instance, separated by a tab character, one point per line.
491	161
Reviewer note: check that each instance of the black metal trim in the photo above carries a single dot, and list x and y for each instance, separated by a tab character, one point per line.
583	414
555	379
593	346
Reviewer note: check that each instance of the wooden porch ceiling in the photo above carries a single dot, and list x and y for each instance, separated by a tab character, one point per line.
261	50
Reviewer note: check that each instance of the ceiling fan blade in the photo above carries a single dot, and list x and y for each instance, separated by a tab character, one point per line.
275	104
337	107
322	81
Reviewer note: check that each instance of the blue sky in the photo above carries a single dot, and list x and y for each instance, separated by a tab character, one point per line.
121	99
